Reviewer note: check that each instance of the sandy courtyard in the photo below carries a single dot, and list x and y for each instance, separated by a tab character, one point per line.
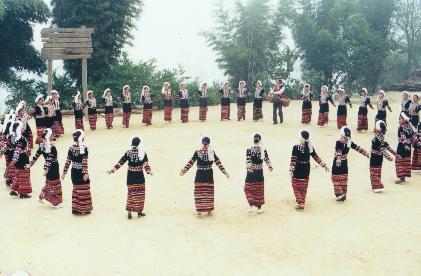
373	234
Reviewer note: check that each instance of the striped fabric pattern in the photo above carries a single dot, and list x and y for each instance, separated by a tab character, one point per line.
204	197
167	114
39	135
225	112
147	116
362	123
323	118
403	167
306	116
255	193
81	199
341	121
257	114
79	124
22	182
203	113
92	121
241	113
376	178
416	159
135	198
109	118
184	117
340	184
126	118
299	187
52	192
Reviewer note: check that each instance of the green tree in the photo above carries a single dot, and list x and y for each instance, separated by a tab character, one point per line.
249	41
113	21
347	41
408	25
16	34
28	89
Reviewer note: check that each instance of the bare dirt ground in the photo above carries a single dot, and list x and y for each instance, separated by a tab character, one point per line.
374	234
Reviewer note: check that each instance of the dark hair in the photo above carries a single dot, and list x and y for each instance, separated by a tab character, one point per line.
15	126
383	127
135	142
257	138
23	143
205	141
305	134
347	132
76	136
44	134
7	130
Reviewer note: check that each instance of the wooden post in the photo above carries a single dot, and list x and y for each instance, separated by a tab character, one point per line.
50	76
85	83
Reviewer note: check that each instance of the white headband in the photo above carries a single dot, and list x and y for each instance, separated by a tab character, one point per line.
80	140
39	97
105	91
89	92
378	123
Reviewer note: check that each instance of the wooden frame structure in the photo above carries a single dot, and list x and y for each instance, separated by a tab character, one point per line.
67	43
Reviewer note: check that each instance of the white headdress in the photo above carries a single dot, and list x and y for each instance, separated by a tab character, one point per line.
76	98
7	119
106	91
202	84
39	97
346	133
80	140
379	124
163	87
48	134
126	86
241	82
47	99
383	93
365	90
260	83
143	90
89	92
54	92
408	120
19	107
405	117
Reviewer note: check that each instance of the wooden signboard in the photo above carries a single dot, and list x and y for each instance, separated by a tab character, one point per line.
67	43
